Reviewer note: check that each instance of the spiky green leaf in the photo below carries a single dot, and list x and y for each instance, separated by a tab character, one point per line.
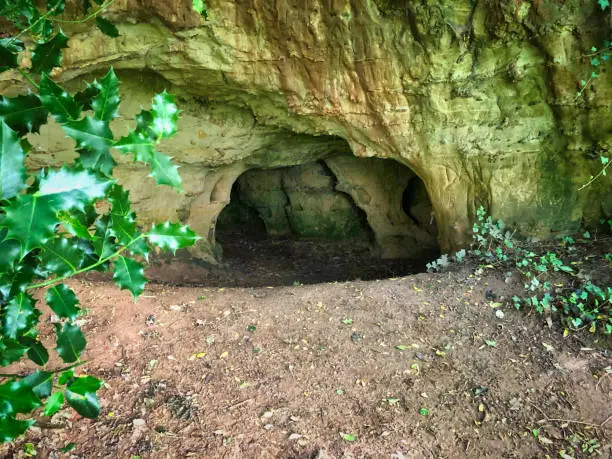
10	351
70	342
11	428
172	236
162	169
165	115
23	113
48	55
61	256
69	188
9	51
98	161
19	315
54	404
40	382
12	167
129	275
37	353
63	301
107	27
18	397
58	101
81	395
74	223
90	134
86	96
105	104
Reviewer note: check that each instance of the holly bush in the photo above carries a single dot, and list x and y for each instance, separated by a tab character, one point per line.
57	223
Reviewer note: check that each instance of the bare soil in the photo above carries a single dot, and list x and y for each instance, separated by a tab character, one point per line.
420	366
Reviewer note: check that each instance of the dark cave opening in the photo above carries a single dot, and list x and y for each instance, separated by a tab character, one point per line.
300	225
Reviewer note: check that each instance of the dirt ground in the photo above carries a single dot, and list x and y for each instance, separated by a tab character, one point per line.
420	366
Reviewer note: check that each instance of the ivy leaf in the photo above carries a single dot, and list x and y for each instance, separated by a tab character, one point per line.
61	256
40	382
90	134
11	428
68	189
12	168
48	55
172	236
63	301
107	27
143	148
106	102
57	101
9	51
18	397
19	315
54	404
81	395
165	115
129	275
23	113
70	342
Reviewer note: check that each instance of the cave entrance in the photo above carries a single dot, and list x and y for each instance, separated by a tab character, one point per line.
340	219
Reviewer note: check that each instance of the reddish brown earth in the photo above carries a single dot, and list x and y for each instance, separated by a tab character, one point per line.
286	371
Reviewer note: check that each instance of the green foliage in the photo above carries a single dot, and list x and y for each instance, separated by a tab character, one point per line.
50	229
550	286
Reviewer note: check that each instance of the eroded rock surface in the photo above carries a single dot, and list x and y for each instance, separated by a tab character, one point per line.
477	98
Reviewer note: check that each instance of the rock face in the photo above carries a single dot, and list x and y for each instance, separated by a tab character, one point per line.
477	99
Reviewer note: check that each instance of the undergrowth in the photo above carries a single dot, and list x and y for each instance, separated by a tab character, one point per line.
556	283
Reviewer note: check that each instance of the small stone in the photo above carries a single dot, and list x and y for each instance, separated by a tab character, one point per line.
294	436
499	314
269	426
139	422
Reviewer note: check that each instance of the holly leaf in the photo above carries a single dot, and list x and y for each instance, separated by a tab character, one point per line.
199	6
81	395
143	148
57	6
119	199
107	27
70	342
104	244
105	104
129	275
9	51
58	101
68	189
165	115
98	161
31	220
18	397
48	55
23	113
12	168
603	4
63	301
37	353
61	256
74	222
10	251
90	134
40	382
172	236
19	314
10	351
54	404
11	428
86	96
